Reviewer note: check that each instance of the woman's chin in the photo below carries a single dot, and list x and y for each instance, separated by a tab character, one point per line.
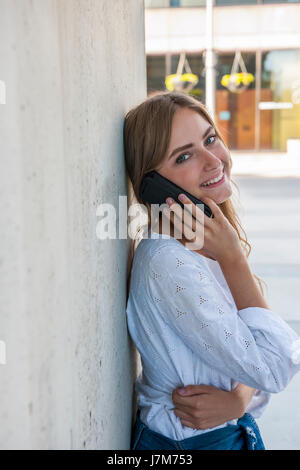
224	198
219	198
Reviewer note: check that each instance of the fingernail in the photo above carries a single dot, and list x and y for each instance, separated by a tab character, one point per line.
181	391
181	197
169	201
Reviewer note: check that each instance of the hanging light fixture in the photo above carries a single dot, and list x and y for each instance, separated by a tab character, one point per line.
237	82
182	81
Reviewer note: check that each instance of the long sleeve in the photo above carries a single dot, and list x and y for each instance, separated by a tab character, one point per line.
253	346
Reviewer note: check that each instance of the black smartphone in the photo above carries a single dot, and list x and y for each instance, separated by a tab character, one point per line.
155	189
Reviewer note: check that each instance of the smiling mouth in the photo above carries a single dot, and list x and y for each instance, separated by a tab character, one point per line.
218	181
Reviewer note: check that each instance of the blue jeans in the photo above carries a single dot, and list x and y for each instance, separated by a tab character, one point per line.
244	435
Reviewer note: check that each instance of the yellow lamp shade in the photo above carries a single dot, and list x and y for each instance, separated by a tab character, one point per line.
179	82
237	79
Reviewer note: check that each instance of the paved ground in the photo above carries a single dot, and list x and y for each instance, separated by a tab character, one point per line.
273	164
270	212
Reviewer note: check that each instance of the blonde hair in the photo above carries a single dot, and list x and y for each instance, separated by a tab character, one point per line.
147	133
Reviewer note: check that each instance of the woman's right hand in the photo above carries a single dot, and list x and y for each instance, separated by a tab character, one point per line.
212	237
205	406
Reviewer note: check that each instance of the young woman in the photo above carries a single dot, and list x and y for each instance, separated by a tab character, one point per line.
198	317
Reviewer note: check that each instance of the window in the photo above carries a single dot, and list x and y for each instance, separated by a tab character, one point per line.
202	3
174	3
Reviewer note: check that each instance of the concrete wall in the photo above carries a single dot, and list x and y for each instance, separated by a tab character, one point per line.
72	69
251	27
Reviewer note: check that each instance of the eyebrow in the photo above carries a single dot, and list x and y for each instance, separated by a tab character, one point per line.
187	146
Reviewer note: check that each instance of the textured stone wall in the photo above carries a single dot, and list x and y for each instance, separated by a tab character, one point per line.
71	70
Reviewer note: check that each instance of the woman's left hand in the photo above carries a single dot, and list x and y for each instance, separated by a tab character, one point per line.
205	406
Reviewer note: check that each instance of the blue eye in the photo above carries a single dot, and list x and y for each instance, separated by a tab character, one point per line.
178	161
212	137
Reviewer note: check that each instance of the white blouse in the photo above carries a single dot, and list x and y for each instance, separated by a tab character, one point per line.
186	326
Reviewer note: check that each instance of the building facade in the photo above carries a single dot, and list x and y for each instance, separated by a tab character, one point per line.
266	115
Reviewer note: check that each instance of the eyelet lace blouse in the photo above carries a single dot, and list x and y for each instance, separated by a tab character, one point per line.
185	324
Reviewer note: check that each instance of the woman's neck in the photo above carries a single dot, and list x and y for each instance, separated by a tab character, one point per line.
168	229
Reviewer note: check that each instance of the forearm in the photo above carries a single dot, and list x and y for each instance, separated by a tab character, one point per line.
242	284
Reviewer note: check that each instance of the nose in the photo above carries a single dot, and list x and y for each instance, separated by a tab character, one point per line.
211	161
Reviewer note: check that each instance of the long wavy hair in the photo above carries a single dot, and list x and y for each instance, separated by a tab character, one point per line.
147	133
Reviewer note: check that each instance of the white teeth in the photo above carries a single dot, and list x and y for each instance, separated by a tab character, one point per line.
213	181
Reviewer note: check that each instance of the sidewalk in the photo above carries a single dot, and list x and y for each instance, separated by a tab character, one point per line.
273	164
271	218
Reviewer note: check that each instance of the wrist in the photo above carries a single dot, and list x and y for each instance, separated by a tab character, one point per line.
243	395
231	259
239	404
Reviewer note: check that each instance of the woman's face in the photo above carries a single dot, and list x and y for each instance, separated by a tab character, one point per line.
203	159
